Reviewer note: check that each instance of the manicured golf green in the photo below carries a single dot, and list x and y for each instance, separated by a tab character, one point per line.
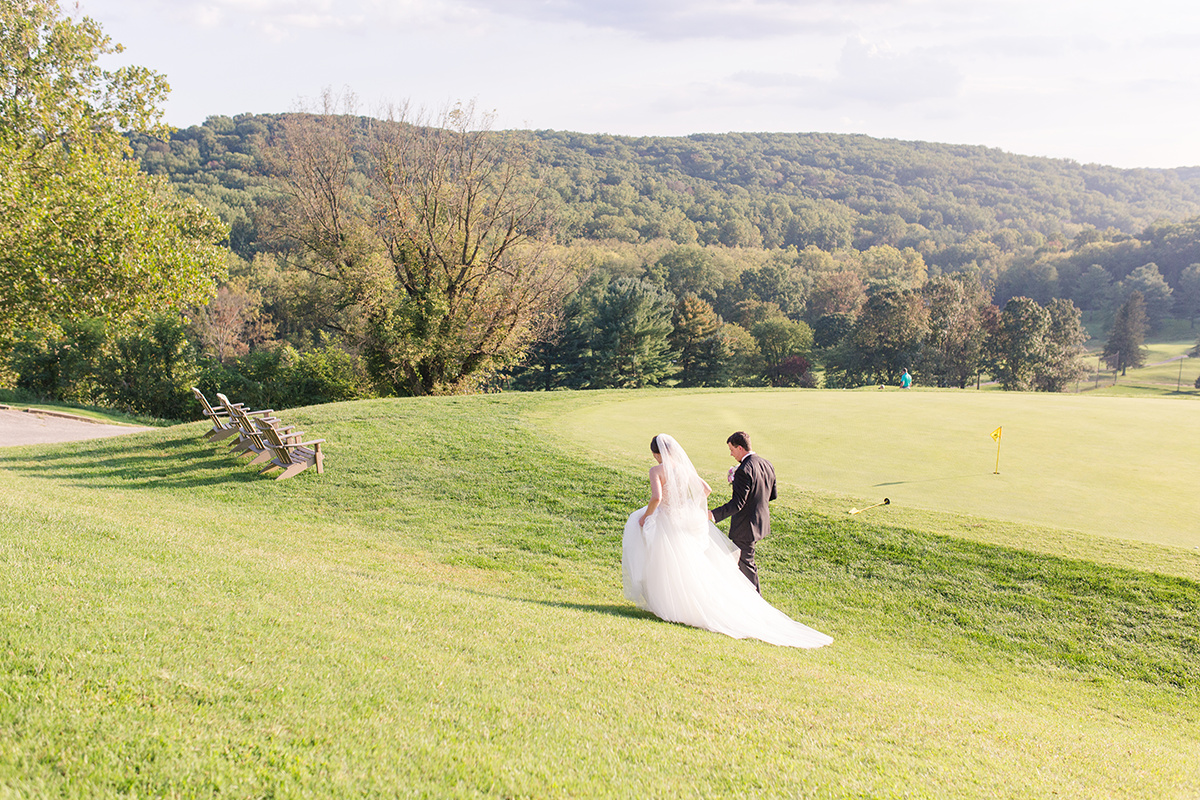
440	615
1116	467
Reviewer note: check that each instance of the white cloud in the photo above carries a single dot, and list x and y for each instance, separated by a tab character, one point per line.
874	73
688	19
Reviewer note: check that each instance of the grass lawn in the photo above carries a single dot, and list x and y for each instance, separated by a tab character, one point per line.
1115	467
20	400
440	614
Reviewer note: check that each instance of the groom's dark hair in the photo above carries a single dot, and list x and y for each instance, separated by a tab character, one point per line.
740	439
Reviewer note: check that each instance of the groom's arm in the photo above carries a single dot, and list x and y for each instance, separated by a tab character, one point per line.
741	493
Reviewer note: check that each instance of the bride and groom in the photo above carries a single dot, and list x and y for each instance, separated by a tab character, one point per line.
676	564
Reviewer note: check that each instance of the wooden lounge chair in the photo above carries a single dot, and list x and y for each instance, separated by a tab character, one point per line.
292	457
253	441
249	439
222	426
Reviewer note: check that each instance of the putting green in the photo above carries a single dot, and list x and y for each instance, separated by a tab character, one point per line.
1120	467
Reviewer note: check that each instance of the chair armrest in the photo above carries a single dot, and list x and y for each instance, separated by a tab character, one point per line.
302	444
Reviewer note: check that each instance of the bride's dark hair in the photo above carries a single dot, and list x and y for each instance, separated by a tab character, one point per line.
654	445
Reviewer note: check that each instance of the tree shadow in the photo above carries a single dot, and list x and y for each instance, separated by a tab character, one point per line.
933	480
182	462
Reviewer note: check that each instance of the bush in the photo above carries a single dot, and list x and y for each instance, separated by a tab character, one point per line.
792	371
325	374
151	371
285	378
61	364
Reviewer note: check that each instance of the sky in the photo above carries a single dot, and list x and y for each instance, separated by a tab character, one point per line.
1096	81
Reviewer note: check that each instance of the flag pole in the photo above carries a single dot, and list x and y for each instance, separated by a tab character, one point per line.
996	434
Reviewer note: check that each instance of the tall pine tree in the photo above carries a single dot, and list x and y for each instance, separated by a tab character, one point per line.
1124	346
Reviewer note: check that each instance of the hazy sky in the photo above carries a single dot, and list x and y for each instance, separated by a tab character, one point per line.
1093	80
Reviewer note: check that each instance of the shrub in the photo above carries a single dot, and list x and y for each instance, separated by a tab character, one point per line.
151	371
61	364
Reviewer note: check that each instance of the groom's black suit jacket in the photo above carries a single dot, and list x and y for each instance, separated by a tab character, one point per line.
753	488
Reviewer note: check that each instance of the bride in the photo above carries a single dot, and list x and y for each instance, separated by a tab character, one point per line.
680	567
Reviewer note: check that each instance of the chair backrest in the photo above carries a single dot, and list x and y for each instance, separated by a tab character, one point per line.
204	404
273	440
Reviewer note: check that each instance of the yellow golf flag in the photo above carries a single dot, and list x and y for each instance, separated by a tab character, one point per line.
996	434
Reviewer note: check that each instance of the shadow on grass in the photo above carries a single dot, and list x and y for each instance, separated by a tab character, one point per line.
608	609
182	462
935	480
1075	614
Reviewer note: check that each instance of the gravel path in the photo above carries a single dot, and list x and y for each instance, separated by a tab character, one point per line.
19	427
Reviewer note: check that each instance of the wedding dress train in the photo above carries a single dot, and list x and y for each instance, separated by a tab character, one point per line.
681	568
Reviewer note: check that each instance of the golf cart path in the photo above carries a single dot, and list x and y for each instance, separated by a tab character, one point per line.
38	426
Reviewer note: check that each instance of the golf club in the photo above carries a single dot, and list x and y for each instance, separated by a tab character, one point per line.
885	502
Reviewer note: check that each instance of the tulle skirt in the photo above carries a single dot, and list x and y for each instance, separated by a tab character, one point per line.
688	572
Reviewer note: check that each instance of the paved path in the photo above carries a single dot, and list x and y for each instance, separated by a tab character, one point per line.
47	427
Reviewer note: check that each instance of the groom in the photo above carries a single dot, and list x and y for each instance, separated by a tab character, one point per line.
753	487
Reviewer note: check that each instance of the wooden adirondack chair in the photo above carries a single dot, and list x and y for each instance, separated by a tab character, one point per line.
222	426
249	439
292	457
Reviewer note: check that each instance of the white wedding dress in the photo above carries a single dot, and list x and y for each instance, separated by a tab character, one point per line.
681	568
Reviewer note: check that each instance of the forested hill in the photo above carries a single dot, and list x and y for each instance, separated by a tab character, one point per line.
960	207
882	191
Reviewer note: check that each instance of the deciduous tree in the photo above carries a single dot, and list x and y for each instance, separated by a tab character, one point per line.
961	316
1018	348
888	336
446	253
1063	363
82	232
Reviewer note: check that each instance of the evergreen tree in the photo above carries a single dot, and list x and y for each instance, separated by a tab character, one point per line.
1156	293
1187	298
630	348
1124	346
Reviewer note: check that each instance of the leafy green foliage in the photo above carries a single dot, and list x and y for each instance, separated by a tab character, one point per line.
83	233
1019	346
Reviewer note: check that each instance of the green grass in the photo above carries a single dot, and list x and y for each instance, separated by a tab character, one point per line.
1108	466
440	615
19	399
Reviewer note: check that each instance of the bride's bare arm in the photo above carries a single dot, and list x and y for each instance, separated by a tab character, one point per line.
707	488
655	493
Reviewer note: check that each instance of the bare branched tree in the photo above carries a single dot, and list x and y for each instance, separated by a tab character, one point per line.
434	233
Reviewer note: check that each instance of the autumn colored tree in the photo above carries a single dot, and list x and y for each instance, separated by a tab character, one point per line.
837	292
444	261
696	338
961	316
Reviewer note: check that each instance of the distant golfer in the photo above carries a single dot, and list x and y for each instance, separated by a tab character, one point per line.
905	380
